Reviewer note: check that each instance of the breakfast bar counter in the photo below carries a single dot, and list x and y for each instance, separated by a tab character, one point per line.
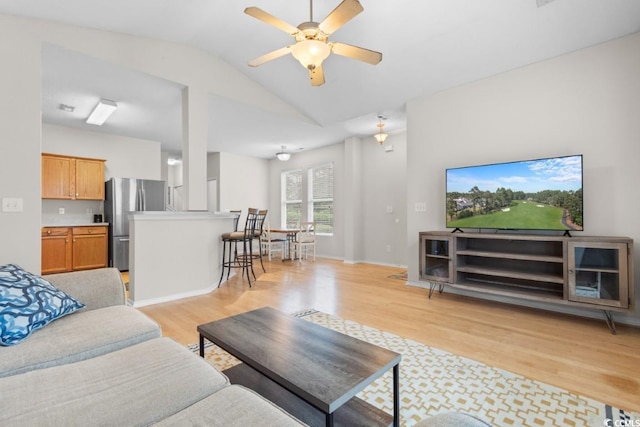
174	255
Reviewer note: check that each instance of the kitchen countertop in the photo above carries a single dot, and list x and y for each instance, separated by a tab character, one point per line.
70	220
76	224
179	215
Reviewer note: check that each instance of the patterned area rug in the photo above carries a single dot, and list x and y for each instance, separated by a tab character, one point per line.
433	381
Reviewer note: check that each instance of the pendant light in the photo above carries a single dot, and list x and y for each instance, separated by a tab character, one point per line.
381	136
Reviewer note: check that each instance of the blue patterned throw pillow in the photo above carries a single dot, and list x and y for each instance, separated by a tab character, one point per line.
28	302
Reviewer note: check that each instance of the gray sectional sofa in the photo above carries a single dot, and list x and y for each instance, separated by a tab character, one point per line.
108	364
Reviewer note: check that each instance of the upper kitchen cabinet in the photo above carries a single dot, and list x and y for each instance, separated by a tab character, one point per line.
72	178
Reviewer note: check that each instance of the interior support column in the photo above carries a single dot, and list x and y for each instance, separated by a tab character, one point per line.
353	205
194	148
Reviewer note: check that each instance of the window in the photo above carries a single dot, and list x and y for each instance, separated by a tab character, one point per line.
320	208
291	198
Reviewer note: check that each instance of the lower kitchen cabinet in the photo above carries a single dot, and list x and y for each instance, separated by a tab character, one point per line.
56	250
73	248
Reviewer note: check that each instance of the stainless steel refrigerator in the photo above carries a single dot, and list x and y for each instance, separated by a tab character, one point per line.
123	196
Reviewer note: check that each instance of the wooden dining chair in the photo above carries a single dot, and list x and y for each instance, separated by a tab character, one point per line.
305	240
270	244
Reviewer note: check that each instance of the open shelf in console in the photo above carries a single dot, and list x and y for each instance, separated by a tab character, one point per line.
511	265
511	246
495	282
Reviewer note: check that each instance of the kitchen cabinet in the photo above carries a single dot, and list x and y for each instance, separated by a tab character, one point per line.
56	250
72	178
73	248
89	247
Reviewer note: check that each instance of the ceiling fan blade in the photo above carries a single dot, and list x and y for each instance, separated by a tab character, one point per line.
260	14
270	56
361	54
317	76
343	13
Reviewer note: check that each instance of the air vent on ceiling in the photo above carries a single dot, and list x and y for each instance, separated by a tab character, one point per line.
541	3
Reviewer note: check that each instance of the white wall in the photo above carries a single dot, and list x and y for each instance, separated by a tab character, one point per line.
367	180
585	102
175	185
243	183
20	87
213	173
125	157
384	188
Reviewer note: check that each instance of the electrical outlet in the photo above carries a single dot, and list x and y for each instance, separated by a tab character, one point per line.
89	211
61	211
387	248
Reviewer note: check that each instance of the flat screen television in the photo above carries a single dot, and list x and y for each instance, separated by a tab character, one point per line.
542	194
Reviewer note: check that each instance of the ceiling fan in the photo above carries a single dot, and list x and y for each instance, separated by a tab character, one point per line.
311	46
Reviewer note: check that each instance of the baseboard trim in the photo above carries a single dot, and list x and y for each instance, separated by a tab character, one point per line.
174	297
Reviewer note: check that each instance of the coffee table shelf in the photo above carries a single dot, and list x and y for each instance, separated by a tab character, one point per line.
322	368
355	412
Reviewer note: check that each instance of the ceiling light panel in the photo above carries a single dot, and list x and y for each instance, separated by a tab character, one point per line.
101	112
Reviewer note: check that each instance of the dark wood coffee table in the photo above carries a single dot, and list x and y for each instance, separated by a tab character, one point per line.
310	371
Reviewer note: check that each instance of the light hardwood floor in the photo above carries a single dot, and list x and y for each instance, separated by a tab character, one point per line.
574	353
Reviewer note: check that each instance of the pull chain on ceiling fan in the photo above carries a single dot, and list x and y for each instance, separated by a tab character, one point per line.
311	46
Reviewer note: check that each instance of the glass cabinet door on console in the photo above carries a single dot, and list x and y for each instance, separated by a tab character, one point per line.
598	273
435	261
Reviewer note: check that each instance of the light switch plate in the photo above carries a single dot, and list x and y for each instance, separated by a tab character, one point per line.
421	207
12	204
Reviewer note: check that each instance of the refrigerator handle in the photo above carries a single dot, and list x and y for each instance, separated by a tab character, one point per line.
138	199
144	199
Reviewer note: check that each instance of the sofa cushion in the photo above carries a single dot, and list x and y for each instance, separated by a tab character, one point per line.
29	302
232	406
101	287
80	336
138	385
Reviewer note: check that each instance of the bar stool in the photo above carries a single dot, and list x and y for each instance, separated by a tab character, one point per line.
262	215
243	260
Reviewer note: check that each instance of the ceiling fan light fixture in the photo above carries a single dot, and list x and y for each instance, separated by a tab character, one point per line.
311	46
310	53
283	156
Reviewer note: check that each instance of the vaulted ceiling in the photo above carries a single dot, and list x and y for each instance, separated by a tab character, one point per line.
427	46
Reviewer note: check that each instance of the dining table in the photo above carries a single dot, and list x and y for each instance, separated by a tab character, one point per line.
291	236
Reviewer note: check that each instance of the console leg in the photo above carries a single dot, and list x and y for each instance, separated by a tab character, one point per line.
608	317
433	286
